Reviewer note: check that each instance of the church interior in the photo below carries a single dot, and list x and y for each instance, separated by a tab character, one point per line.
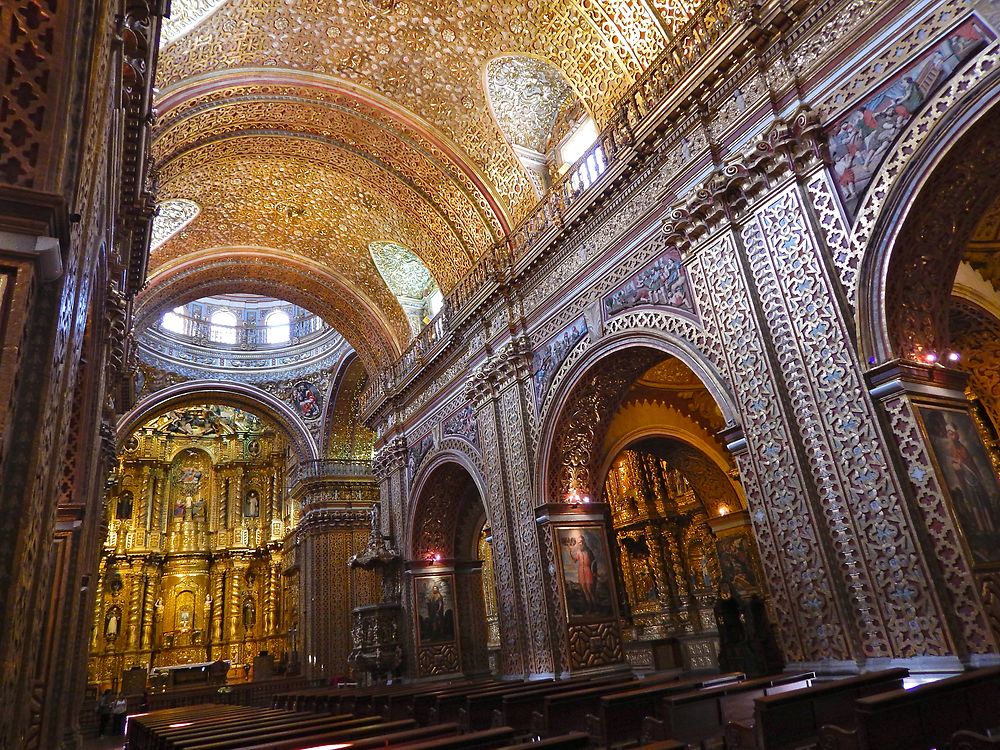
500	374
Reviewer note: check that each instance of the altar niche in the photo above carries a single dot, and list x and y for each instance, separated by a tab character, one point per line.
445	595
635	444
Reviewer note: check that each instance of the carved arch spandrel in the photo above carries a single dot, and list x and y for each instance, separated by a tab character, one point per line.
928	193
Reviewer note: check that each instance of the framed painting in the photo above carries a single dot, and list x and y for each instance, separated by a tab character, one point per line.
434	605
967	473
585	573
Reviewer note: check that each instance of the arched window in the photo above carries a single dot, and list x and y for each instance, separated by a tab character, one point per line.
279	329
223	327
173	321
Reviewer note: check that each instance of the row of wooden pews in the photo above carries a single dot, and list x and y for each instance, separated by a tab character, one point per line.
222	727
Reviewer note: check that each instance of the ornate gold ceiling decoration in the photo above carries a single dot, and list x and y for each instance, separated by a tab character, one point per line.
313	129
404	273
171	217
208	421
184	16
526	95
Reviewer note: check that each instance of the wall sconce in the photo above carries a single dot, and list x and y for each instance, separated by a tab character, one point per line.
574	497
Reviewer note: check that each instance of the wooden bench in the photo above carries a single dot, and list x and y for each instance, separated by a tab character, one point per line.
699	715
407	738
233	738
793	719
571	741
923	717
489	739
974	741
620	717
143	728
565	711
484	709
451	705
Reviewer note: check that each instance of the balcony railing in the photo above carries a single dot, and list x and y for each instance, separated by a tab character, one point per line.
326	467
637	108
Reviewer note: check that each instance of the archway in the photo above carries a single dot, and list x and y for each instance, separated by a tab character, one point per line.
445	592
226	394
634	437
931	322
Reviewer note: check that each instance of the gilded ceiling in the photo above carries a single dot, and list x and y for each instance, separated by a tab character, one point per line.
311	129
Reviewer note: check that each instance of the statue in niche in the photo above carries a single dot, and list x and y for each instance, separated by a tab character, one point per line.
123	511
112	624
251	504
249	614
199	509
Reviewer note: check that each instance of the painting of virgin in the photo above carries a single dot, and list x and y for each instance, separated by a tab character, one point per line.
968	475
586	573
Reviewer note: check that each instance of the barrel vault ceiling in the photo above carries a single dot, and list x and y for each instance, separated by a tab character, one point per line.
306	130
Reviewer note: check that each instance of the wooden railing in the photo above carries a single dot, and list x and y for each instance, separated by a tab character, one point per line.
637	108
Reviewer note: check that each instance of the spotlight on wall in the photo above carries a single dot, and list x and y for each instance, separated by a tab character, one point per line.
954	356
575	498
931	357
433	557
723	510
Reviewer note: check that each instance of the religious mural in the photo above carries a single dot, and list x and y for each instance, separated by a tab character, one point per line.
545	361
860	139
969	477
463	424
416	453
662	282
586	573
434	599
307	400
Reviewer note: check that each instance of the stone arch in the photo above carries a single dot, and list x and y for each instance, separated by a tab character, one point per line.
428	501
377	339
229	394
929	193
580	363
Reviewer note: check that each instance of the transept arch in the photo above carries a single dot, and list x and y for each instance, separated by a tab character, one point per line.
225	393
377	338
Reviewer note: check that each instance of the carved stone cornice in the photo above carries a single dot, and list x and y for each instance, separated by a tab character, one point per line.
390	458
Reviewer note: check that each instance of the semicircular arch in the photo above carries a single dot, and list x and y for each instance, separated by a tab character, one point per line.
228	394
432	504
648	345
318	289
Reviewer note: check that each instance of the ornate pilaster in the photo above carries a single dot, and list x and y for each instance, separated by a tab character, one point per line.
500	391
928	414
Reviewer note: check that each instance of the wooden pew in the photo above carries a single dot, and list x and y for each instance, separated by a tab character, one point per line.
793	719
235	737
423	703
519	707
311	736
390	739
571	741
142	727
484	709
486	740
661	745
923	717
974	741
565	711
696	716
619	717
451	706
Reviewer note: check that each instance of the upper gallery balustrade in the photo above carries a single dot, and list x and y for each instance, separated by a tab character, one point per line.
716	28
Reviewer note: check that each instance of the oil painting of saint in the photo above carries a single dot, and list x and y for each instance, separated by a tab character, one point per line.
586	574
969	477
306	400
435	602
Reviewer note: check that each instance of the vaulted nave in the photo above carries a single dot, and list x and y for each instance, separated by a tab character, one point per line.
573	373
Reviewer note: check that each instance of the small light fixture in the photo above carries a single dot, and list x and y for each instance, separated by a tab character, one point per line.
930	358
723	510
954	356
575	498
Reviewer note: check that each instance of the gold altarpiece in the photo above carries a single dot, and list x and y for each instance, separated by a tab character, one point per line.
192	565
